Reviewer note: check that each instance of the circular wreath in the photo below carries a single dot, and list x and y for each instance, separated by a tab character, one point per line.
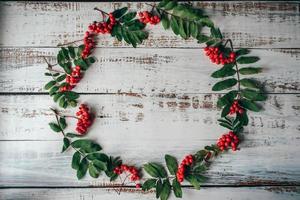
185	21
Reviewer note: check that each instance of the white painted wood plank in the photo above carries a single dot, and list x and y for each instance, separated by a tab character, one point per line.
274	193
144	71
48	23
144	129
142	119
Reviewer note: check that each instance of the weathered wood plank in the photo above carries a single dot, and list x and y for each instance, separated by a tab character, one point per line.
146	71
144	129
145	118
32	23
274	193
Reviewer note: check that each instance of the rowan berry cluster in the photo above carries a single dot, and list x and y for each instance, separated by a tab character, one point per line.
188	160
89	44
134	173
216	56
147	17
228	140
103	27
236	108
84	119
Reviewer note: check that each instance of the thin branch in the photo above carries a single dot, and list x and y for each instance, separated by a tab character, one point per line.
64	44
101	11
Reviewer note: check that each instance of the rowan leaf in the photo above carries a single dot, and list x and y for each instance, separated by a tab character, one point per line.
249	105
55	127
49	85
76	160
253	95
247	60
224	71
242	51
174	25
172	164
193	181
250	70
227	99
194	29
177	188
158	188
62	122
66	144
165	21
225	84
249	83
128	17
170	5
119	12
148	184
82	169
166	190
93	171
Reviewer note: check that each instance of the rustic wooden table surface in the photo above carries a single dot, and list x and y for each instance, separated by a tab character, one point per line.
149	101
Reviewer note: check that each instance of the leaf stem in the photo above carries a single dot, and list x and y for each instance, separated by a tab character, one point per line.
236	67
103	12
64	44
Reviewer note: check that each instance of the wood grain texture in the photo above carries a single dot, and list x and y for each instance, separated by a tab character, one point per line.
144	129
274	193
249	24
145	71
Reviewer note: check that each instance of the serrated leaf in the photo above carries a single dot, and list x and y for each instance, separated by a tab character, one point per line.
62	122
202	38
165	21
177	188
61	78
243	118
66	144
224	71
174	25
98	156
225	111
182	29
148	184
86	145
70	95
119	12
49	85
90	60
76	160
55	127
247	60
166	190
207	22
93	171
250	70
253	95
71	52
128	17
193	181
216	33
53	90
227	99
62	102
57	96
47	74
249	83
194	29
101	166
172	164
158	188
73	135
155	170
242	52
170	5
81	62
82	169
225	84
249	105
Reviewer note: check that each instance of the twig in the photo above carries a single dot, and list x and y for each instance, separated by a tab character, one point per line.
60	45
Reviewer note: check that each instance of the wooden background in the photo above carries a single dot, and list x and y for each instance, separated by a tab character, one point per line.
149	101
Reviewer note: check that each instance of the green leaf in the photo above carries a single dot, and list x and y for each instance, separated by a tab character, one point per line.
165	21
170	5
253	95
61	78
177	188
119	12
155	170
101	166
81	62
250	70
90	60
224	71
62	122
216	33
48	74
62	102
226	126
82	169
199	168
70	95
243	118
171	164
66	145
225	111
225	84
174	25
55	127
93	171
49	85
249	83
247	60
80	50
73	135
249	105
182	29
57	96
202	38
128	17
163	3
148	184
53	90
242	52
194	29
227	99
158	188
166	190
207	22
72	51
86	145
76	160
193	181
98	156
